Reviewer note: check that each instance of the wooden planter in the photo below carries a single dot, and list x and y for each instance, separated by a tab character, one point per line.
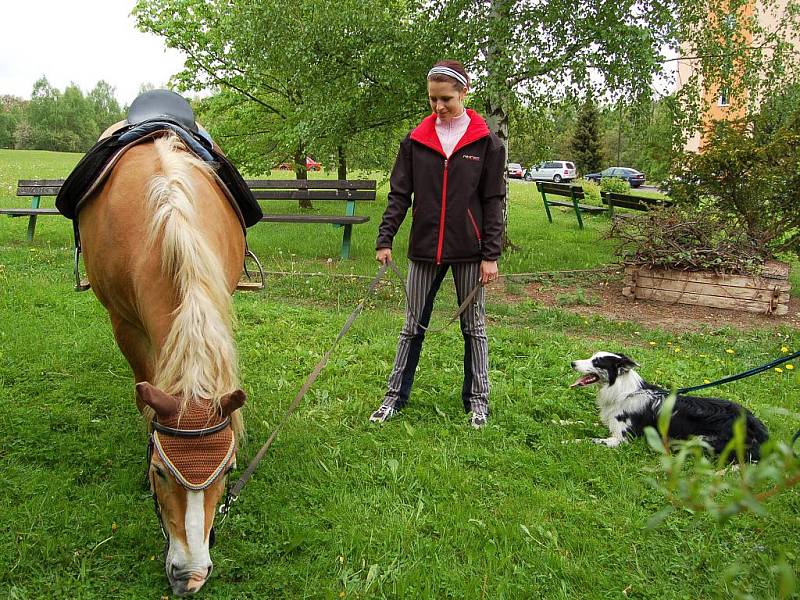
767	294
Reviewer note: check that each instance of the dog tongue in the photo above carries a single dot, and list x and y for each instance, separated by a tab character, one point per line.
585	380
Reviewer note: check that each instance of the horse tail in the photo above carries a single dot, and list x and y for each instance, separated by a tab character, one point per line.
198	358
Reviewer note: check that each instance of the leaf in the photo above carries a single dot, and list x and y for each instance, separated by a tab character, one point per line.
393	465
409	428
371	576
654	440
665	414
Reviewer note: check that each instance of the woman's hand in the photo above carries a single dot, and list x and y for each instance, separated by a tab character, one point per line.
383	255
489	271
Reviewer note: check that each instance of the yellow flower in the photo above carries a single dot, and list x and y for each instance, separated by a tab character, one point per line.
778	370
677	349
729	350
789	367
706	381
652	343
669	343
784	349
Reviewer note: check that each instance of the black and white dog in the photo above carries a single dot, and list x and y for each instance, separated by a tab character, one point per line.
628	404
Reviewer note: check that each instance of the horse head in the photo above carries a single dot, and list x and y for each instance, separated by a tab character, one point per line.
192	449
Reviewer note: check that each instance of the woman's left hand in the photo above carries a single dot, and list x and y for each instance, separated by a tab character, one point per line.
489	271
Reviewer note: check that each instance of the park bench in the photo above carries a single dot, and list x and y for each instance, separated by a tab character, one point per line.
573	192
616	200
265	190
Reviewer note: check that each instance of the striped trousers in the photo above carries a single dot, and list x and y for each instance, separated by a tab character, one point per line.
424	280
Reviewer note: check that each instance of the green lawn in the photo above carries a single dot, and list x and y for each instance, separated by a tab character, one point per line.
421	507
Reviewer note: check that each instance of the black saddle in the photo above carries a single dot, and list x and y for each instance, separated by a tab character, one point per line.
150	113
162	105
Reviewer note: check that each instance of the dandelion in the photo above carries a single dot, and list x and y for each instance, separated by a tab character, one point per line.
706	381
789	367
729	350
778	370
652	343
784	349
669	343
677	349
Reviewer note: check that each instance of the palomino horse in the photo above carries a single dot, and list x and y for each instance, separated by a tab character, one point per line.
163	251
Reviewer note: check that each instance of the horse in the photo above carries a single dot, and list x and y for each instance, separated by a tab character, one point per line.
163	250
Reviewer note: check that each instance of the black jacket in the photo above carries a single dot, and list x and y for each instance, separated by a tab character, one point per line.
457	206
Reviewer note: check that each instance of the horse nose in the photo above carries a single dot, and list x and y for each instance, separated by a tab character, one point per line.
573	364
196	581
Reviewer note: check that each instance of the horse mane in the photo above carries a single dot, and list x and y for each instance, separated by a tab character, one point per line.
198	358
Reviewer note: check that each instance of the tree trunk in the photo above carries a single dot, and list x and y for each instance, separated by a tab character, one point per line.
496	110
301	172
342	172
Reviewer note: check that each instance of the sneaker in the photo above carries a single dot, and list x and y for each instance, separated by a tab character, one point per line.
478	419
383	413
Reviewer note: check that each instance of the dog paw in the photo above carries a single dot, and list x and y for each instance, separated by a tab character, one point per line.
610	442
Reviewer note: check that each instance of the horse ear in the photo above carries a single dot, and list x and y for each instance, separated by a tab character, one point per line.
231	402
161	402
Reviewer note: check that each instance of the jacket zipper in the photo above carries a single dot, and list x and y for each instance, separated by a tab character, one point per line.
441	217
474	224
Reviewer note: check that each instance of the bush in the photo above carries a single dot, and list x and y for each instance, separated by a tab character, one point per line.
750	180
591	192
615	184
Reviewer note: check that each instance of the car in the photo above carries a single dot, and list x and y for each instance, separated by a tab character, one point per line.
556	171
632	176
311	165
515	170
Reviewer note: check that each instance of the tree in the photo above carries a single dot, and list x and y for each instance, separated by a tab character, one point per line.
12	111
310	76
585	144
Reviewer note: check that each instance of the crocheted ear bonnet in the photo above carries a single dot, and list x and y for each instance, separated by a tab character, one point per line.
196	461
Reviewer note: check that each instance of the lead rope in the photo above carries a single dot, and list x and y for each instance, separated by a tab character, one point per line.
232	494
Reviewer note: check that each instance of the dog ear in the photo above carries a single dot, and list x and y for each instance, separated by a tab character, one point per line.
626	364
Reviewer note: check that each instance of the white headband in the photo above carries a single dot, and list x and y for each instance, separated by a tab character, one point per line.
450	73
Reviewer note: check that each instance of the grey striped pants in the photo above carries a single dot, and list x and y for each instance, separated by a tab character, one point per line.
424	280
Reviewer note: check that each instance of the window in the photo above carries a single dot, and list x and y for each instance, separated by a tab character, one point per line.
723	97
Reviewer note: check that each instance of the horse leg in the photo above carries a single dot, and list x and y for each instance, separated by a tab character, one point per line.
135	346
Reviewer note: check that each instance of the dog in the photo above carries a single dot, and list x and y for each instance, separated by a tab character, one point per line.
628	404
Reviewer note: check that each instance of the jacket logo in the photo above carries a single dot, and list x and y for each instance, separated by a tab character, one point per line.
470	157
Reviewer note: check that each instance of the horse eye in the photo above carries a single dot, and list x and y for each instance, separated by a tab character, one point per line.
160	472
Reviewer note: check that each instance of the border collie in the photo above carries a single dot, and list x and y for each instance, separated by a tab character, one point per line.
628	404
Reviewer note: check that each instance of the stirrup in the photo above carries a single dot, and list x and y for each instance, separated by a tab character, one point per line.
251	286
81	285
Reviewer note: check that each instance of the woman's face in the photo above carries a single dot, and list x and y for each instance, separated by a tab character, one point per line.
446	101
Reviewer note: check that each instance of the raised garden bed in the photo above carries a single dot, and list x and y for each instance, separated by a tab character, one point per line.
766	294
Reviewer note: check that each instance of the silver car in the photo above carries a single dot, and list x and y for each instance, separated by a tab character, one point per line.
556	171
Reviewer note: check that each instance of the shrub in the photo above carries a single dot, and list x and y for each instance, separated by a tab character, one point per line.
591	192
615	184
750	180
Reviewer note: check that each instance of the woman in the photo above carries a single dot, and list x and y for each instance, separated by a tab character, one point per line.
449	171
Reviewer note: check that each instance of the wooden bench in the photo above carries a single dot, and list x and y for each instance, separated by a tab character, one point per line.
34	189
573	192
617	200
316	190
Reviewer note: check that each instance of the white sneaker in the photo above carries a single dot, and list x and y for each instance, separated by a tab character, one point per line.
383	413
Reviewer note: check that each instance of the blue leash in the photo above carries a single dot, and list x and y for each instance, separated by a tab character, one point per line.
754	371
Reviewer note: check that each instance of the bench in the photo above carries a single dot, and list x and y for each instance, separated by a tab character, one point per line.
314	190
617	200
573	192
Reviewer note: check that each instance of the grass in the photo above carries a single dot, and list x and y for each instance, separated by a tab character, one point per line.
422	507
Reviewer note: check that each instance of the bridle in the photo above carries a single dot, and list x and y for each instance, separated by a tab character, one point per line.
189	434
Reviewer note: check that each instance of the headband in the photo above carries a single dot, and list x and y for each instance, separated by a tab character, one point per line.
450	73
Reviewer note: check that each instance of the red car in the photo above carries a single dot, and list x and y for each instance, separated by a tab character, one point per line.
311	165
515	170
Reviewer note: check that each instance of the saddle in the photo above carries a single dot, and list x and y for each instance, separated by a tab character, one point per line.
150	115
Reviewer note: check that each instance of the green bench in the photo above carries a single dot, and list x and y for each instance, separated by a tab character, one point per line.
616	200
575	195
350	192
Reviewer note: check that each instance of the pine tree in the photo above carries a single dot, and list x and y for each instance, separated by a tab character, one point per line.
586	144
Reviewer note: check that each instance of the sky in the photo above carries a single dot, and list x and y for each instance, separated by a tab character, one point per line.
81	42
